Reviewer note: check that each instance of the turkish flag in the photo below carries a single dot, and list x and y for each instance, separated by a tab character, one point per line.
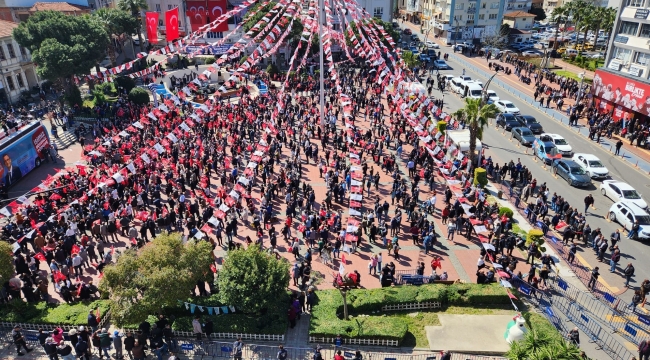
203	12
152	26
171	24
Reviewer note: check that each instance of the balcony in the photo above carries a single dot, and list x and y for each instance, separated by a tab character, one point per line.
471	10
470	22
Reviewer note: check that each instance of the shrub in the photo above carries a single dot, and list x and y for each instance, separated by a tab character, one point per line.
243	59
505	211
210	61
125	83
139	96
536	236
272	69
42	313
74	96
480	177
442	126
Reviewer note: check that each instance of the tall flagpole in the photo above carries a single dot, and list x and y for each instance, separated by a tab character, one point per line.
321	10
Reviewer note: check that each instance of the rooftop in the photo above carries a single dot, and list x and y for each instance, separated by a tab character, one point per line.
6	27
58	6
518	32
515	14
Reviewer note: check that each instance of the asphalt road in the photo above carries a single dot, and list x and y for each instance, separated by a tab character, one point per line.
503	149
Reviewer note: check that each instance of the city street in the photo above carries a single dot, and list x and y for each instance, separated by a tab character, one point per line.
502	149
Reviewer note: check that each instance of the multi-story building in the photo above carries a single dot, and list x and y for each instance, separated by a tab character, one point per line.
622	86
20	10
17	71
467	20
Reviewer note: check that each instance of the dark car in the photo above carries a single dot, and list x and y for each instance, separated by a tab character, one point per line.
570	171
524	135
408	31
508	121
432	54
395	25
531	123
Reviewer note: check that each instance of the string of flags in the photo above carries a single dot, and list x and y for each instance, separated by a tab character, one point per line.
212	310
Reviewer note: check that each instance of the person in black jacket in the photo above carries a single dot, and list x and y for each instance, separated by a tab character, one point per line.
208	328
19	340
50	349
64	349
129	341
81	349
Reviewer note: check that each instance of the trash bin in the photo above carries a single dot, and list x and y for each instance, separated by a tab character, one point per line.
500	194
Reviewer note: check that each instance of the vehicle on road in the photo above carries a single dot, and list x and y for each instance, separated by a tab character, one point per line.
620	191
22	151
531	123
424	58
625	213
507	121
546	151
591	165
507	107
562	145
431	45
414	50
530	53
523	135
571	172
408	31
441	65
600	55
492	96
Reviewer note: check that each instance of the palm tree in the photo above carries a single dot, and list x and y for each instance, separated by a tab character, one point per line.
603	19
476	116
410	59
134	7
539	345
557	15
118	24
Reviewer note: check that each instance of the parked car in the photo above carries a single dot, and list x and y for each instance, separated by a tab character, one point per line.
408	31
626	213
507	121
523	135
440	64
591	165
530	53
531	123
414	50
571	172
432	45
492	96
506	106
562	145
620	191
424	58
545	151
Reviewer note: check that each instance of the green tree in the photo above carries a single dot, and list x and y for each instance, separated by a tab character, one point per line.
139	96
252	279
134	7
156	276
603	19
539	13
476	116
410	59
119	25
62	45
6	261
542	345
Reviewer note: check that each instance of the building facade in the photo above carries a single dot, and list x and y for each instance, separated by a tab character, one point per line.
17	71
20	10
467	20
622	86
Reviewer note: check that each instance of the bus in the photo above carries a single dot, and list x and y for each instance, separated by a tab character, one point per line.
21	151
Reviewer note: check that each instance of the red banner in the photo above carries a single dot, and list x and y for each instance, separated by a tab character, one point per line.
171	24
622	93
152	27
204	12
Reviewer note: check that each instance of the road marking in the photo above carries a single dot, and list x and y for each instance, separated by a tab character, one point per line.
612	289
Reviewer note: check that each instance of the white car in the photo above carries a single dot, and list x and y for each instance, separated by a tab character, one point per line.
561	144
432	45
620	191
530	53
626	213
591	165
507	107
440	64
492	96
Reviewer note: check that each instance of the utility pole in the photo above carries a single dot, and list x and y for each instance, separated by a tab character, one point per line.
321	9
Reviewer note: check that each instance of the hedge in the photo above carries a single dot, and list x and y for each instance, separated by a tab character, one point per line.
506	211
41	313
327	313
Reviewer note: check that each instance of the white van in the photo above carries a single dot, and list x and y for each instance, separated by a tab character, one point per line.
455	84
471	90
571	52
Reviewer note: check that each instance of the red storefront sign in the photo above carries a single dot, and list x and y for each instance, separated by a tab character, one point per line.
620	94
205	12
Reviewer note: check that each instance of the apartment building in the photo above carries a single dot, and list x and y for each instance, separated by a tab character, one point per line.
467	20
622	86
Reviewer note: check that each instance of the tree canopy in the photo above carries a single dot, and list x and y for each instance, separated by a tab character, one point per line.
6	261
156	276
119	24
539	13
252	279
62	45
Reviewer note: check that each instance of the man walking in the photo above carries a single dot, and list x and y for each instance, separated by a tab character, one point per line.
237	349
19	340
619	144
589	201
628	272
594	278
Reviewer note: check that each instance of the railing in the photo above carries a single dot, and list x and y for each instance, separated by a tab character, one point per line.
259	337
366	342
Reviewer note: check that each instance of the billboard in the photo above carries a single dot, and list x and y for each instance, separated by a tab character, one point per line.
20	154
620	94
207	50
204	12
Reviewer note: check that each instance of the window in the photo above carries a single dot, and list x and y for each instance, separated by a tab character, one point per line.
160	23
378	12
458	17
460	6
493	16
494	5
483	5
214	35
481	16
336	27
19	79
642	58
10	83
645	31
470	17
635	3
169	7
12	53
628	28
622	54
2	53
157	7
519	6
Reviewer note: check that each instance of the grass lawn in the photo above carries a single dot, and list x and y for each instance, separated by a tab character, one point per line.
571	75
416	336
